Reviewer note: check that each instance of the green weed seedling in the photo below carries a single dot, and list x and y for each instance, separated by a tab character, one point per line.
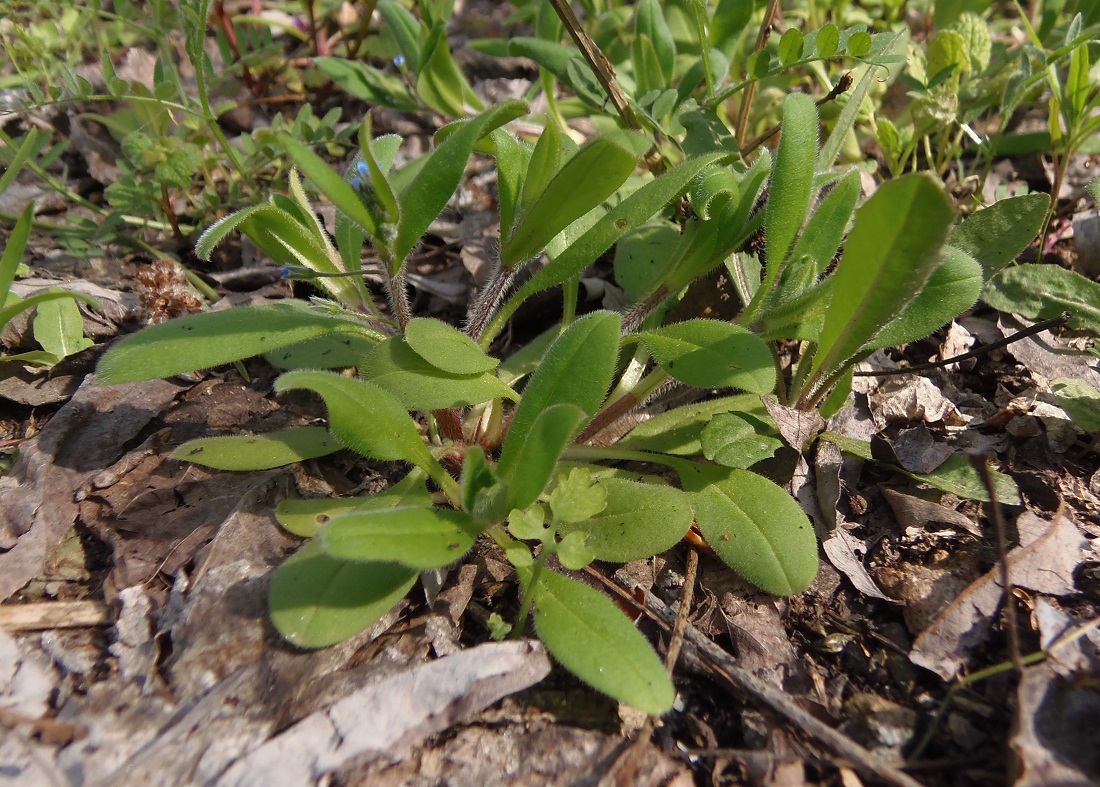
57	325
809	260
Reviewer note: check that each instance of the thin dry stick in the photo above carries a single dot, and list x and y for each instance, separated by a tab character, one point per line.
675	643
842	86
677	640
1038	327
720	663
750	91
603	70
723	665
981	464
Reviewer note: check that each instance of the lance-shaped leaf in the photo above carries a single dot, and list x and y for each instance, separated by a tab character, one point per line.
306	517
712	354
200	341
633	211
638	521
792	177
419	385
588	634
258	452
543	164
528	469
576	370
316	600
405	29
438	174
889	255
417	537
330	183
364	417
755	527
13	251
825	229
587	179
59	328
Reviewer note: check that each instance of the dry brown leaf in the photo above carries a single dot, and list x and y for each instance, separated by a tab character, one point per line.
917	512
1044	566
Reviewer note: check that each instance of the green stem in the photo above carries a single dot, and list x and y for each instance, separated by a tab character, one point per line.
704	44
528	595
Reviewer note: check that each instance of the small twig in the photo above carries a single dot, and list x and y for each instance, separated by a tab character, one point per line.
603	70
721	664
842	86
1038	327
750	91
677	640
981	464
724	666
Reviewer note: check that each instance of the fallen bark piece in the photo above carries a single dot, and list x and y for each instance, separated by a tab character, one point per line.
86	435
391	715
46	615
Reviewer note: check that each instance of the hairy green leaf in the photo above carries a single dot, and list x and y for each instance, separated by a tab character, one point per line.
364	417
638	521
953	287
756	528
316	600
528	469
419	385
713	354
576	370
996	235
889	255
58	326
417	537
598	643
258	452
1041	292
447	348
587	179
306	517
200	341
792	177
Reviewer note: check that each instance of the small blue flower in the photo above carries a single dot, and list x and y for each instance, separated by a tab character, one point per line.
399	61
356	183
284	271
362	168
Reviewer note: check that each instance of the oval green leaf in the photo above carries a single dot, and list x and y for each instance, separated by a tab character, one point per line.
952	288
200	341
638	521
306	517
576	370
528	470
587	179
756	528
447	348
592	639
364	417
419	385
889	255
1041	292
996	235
316	600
